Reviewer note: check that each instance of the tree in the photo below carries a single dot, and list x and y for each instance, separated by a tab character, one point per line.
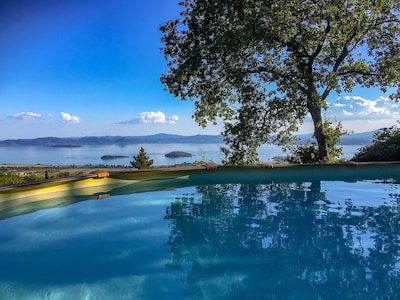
141	161
385	146
263	66
309	153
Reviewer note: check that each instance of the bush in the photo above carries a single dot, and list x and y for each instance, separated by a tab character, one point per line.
62	174
385	146
8	178
203	161
309	153
32	177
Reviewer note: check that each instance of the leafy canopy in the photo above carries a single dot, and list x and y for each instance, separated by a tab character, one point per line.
385	146
263	66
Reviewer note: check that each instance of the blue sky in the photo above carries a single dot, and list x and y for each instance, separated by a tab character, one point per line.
85	67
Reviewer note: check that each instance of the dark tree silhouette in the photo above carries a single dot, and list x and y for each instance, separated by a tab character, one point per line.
141	161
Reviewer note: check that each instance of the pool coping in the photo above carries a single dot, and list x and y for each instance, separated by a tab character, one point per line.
27	198
169	170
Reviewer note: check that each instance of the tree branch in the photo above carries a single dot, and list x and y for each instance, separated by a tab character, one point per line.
321	44
302	88
348	72
346	50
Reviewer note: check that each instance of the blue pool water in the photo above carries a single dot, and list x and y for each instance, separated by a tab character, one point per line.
318	239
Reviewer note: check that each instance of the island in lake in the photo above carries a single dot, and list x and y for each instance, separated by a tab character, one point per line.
176	154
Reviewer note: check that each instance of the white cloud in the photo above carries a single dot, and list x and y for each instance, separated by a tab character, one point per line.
152	117
26	116
338	104
356	107
67	118
173	119
346	113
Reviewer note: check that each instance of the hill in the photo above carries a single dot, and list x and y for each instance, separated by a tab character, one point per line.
362	139
112	140
161	138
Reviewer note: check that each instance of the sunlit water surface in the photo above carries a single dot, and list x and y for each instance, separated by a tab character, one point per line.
91	155
309	240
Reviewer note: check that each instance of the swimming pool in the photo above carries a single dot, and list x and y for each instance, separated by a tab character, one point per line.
243	234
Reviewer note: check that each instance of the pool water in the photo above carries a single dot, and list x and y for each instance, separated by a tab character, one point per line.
286	240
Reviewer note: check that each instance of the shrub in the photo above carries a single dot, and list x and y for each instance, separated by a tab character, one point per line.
309	153
385	146
62	174
8	178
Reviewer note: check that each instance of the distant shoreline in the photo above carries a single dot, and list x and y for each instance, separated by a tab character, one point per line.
66	146
161	138
112	140
111	157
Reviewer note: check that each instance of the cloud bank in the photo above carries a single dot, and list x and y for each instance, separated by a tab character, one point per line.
356	108
153	117
67	118
26	116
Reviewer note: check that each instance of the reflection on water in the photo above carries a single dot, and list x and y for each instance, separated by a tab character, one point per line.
288	241
309	240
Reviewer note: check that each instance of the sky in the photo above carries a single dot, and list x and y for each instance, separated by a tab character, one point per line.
72	68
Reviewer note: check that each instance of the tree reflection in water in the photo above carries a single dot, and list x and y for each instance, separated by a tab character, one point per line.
284	240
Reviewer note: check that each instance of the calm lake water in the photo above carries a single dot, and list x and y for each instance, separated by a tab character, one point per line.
91	155
308	239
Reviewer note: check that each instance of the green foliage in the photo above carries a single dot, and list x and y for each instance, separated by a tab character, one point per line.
11	178
62	174
309	152
202	161
239	154
141	161
32	178
385	146
262	66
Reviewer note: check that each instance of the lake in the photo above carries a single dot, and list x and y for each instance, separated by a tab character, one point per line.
91	155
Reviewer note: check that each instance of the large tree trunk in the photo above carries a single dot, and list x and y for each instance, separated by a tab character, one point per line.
319	132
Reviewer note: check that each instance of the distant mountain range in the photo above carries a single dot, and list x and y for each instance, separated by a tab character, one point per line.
161	138
362	139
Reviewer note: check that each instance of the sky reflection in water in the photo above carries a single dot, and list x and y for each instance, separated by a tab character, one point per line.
310	240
